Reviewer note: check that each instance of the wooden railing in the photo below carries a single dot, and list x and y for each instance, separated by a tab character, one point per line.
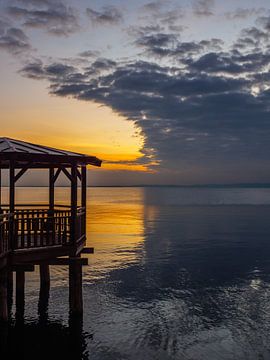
40	228
35	226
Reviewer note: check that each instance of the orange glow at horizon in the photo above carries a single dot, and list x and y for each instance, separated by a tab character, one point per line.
69	124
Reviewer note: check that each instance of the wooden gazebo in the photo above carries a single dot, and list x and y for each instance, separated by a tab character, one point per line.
42	234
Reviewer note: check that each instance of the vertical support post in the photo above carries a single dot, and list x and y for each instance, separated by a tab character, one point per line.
9	289
83	197
0	189
51	188
44	292
75	286
20	285
74	196
44	272
12	242
3	295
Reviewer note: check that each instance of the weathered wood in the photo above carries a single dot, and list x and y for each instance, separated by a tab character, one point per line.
11	201
83	197
23	267
74	199
21	172
35	254
75	287
20	289
3	296
51	188
88	250
44	271
9	289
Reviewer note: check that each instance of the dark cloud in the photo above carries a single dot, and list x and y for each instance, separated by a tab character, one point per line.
203	7
154	6
89	54
169	45
201	105
156	40
186	117
242	13
13	39
53	16
108	15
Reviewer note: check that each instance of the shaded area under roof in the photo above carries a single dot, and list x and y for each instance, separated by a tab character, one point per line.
40	156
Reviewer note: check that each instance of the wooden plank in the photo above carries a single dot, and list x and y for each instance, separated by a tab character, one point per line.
23	267
88	250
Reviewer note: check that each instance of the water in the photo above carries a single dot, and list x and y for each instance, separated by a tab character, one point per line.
177	274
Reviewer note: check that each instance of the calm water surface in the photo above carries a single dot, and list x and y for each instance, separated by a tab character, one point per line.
177	274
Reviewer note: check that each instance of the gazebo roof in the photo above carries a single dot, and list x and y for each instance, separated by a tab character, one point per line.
40	156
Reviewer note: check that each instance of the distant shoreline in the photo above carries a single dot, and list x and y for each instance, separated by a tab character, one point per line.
200	186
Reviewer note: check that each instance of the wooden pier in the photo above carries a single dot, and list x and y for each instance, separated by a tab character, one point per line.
42	234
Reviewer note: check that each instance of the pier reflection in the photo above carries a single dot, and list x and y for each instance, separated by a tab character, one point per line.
44	340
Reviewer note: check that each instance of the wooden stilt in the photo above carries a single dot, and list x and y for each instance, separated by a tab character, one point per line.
44	271
3	296
75	286
9	289
44	293
20	284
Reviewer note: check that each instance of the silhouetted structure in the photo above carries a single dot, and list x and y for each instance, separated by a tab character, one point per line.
41	234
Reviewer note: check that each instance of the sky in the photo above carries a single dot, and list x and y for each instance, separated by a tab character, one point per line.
164	92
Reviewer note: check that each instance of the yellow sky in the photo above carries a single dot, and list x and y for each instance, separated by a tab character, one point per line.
68	123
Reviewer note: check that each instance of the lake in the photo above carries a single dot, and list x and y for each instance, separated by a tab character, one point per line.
178	273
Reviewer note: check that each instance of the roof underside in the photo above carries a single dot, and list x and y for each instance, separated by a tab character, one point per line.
40	156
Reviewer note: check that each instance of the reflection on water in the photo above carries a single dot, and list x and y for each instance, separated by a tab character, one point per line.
176	274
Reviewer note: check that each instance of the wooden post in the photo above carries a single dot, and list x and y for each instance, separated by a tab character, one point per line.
20	283
74	199
51	188
0	189
44	272
9	289
11	203
44	292
3	295
75	287
83	197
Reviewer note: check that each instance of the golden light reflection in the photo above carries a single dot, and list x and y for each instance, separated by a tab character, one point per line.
115	229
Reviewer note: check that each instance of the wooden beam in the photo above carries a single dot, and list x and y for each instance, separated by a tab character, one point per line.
53	261
23	267
22	171
88	250
57	174
68	175
79	174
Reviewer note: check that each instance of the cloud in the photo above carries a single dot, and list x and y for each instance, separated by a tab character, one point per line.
89	54
153	6
200	105
53	16
243	13
108	15
13	39
203	7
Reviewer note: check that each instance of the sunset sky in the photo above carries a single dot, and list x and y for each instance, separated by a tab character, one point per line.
165	92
